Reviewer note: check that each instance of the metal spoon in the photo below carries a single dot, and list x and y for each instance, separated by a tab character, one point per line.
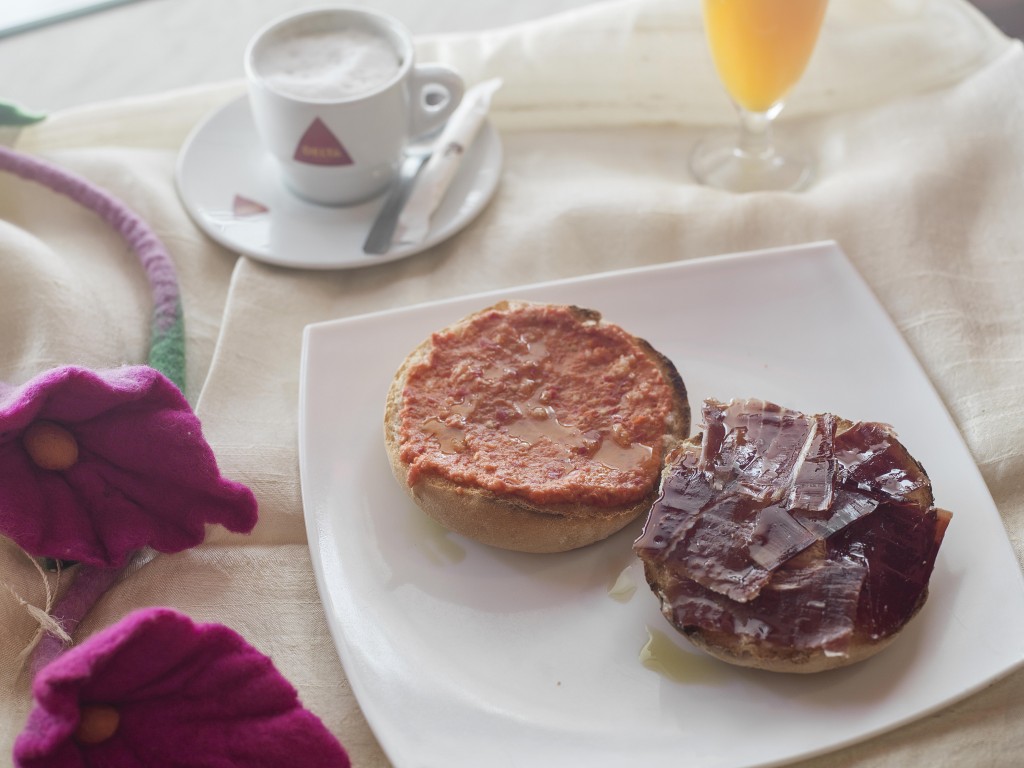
378	241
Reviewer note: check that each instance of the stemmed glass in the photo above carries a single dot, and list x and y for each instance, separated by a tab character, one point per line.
760	49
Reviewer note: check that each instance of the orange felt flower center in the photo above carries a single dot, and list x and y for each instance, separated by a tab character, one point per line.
50	445
97	723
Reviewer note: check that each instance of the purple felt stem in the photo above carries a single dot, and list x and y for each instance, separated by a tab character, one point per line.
151	253
87	587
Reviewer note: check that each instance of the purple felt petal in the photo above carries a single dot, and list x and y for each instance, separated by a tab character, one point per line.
188	695
145	475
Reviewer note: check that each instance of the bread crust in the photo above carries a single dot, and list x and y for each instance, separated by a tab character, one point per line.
791	660
505	520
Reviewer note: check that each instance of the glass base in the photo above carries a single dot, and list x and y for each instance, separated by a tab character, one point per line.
719	162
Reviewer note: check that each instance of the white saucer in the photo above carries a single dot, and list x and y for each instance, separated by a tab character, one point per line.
230	187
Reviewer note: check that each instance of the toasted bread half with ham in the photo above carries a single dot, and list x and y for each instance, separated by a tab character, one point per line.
791	542
534	427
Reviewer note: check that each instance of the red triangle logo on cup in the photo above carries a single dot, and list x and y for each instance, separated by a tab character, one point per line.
318	146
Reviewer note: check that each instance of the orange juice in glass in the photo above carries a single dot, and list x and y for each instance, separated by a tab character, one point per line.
760	50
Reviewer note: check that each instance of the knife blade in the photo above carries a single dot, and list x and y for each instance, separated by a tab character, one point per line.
378	241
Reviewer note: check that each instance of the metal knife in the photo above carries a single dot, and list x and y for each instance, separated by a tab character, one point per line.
383	229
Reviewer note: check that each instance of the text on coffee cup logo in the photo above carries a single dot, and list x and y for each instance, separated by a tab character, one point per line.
318	146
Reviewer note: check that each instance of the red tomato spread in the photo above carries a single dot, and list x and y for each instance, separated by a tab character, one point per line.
538	402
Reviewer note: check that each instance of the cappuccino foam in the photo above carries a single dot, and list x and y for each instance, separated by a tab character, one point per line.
328	65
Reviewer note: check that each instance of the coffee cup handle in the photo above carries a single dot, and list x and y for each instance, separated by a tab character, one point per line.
436	91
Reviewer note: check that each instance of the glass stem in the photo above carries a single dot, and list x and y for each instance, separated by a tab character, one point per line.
756	134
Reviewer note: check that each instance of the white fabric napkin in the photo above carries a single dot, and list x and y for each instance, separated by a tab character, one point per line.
436	176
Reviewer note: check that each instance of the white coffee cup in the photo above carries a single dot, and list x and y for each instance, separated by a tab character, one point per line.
336	97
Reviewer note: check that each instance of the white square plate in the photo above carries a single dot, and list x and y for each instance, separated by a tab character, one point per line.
463	655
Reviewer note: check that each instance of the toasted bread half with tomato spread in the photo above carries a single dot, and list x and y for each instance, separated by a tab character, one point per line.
534	427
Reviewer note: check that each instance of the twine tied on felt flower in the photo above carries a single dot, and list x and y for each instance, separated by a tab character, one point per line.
47	623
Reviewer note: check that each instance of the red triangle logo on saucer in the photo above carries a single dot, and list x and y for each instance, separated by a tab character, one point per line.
318	146
242	207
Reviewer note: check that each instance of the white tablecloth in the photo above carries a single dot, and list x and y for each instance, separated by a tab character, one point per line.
913	108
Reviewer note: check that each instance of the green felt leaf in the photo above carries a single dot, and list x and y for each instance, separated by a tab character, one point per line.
12	114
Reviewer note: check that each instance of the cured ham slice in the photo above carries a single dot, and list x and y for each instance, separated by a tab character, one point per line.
790	541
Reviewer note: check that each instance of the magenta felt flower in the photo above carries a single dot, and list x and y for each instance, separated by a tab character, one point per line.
158	690
96	465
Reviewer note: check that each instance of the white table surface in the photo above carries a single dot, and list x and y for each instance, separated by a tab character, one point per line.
150	46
